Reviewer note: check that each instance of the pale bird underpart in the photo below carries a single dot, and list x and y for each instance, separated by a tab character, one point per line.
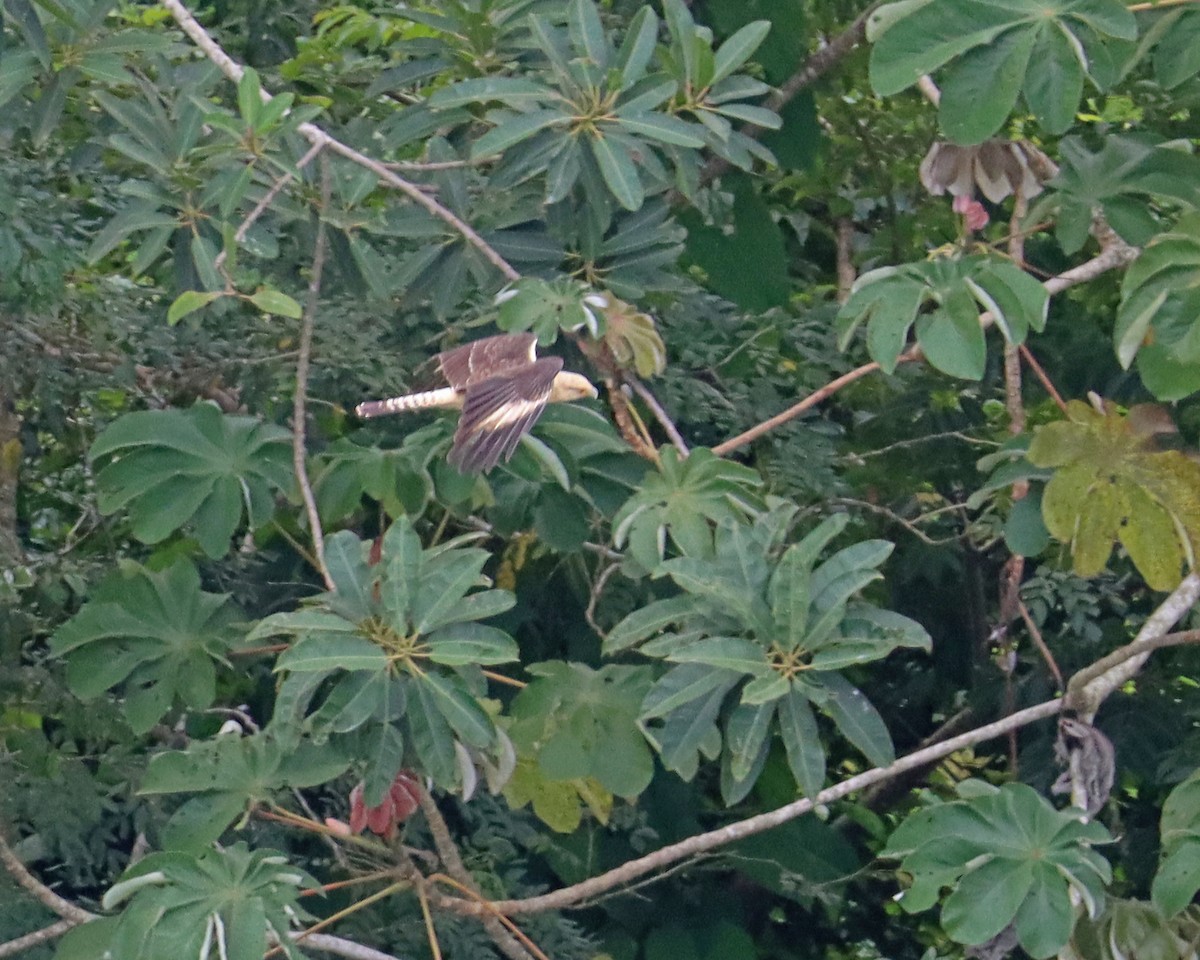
501	386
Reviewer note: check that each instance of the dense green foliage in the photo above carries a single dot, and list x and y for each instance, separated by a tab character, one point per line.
251	644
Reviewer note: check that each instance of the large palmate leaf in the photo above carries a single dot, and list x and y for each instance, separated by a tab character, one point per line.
1157	320
231	904
230	774
1011	858
197	469
774	626
581	723
943	298
1110	485
396	649
605	117
681	500
156	634
1178	876
1115	181
992	52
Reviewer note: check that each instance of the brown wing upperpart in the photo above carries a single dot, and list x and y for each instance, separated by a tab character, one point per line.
498	411
489	357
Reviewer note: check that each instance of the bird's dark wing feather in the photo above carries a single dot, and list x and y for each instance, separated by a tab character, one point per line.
498	411
489	357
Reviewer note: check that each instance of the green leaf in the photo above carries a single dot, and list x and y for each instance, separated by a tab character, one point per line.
273	301
726	653
159	627
1054	88
739	48
582	723
249	96
981	88
231	899
805	754
1111	484
647	622
1178	878
175	468
1008	855
319	653
587	33
952	338
471	643
513	91
857	720
662	128
514	130
637	48
1046	917
1002	885
618	170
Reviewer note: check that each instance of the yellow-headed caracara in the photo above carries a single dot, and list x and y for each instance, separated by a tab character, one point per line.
501	386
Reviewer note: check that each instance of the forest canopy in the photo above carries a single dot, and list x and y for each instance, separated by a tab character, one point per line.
584	478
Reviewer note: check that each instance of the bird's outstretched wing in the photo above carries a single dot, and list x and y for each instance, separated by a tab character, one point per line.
486	358
498	410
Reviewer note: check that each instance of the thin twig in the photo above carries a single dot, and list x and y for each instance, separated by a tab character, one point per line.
914	441
299	400
38	890
597	589
1045	381
909	525
457	870
660	414
795	410
422	165
267	199
1036	635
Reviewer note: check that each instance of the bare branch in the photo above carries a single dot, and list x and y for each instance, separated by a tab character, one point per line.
702	843
815	67
38	890
265	202
796	409
457	871
319	138
660	414
299	399
1091	686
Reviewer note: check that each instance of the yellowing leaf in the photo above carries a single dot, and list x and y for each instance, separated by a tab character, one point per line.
1112	484
634	338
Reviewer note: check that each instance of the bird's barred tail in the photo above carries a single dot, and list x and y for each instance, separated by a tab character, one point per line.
447	397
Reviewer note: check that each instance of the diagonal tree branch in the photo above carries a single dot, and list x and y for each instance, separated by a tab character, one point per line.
1114	253
319	138
815	67
1095	682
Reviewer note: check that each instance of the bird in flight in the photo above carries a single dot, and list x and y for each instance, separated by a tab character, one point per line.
501	386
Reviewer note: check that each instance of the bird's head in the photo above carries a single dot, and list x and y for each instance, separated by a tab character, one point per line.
571	386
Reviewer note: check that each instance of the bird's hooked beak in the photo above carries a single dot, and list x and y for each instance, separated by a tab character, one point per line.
572	386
